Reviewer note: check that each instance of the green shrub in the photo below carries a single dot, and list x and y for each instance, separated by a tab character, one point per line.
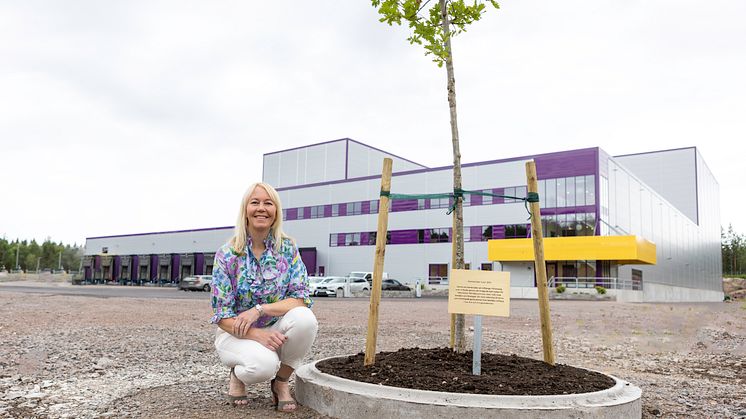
560	288
601	290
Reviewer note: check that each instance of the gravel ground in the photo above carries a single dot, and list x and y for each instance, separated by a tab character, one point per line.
83	357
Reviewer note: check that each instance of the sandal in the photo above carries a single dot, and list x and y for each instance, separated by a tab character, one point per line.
281	404
233	399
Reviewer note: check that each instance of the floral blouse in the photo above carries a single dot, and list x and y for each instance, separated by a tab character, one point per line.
239	282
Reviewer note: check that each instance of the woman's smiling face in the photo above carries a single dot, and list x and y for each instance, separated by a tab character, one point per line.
260	211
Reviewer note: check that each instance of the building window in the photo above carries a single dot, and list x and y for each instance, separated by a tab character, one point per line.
301	213
374	206
561	202
354	208
352	239
420	204
335	210
571	197
509	192
333	240
551	200
520	192
439	235
440	203
317	211
486	266
486	233
579	182
514	231
590	190
542	193
438	273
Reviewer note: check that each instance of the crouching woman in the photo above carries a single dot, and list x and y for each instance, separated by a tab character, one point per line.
260	301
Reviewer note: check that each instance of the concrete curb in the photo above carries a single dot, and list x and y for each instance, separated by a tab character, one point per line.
341	398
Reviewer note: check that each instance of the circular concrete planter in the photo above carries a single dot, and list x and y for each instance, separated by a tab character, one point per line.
342	398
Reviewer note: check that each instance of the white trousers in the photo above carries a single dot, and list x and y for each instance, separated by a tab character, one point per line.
255	363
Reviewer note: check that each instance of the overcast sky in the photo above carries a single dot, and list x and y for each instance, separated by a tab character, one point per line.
121	117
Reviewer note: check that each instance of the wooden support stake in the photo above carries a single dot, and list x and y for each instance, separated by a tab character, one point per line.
375	292
453	266
540	266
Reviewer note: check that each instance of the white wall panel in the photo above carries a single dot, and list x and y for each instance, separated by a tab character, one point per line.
672	173
178	242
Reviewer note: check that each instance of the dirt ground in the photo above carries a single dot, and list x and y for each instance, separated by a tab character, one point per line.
72	356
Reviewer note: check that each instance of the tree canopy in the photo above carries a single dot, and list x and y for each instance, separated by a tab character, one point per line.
427	24
46	256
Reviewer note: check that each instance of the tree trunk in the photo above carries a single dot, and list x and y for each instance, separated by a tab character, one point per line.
458	231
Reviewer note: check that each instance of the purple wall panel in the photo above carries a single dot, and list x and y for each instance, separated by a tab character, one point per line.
342	209
365	208
498	232
403	236
475	233
175	266
476	199
134	267
199	263
570	163
306	213
96	263
153	267
327	210
117	268
340	239
87	275
292	213
364	238
403	205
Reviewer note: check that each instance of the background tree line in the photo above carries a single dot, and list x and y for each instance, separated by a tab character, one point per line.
733	251
45	256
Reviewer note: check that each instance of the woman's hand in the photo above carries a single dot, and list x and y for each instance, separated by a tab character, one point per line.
243	322
272	339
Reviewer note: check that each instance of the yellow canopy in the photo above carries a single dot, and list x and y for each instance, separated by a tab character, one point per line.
623	249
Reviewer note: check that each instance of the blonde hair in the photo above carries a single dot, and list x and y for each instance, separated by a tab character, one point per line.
241	232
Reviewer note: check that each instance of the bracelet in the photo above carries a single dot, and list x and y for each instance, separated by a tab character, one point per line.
260	309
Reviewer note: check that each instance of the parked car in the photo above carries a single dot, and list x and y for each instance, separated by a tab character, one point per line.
367	275
335	284
196	282
393	284
314	281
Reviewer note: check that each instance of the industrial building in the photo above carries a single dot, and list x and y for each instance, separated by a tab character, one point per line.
646	226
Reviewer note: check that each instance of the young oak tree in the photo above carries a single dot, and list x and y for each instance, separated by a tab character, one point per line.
433	28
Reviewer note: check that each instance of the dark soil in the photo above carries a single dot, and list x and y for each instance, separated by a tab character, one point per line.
441	369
